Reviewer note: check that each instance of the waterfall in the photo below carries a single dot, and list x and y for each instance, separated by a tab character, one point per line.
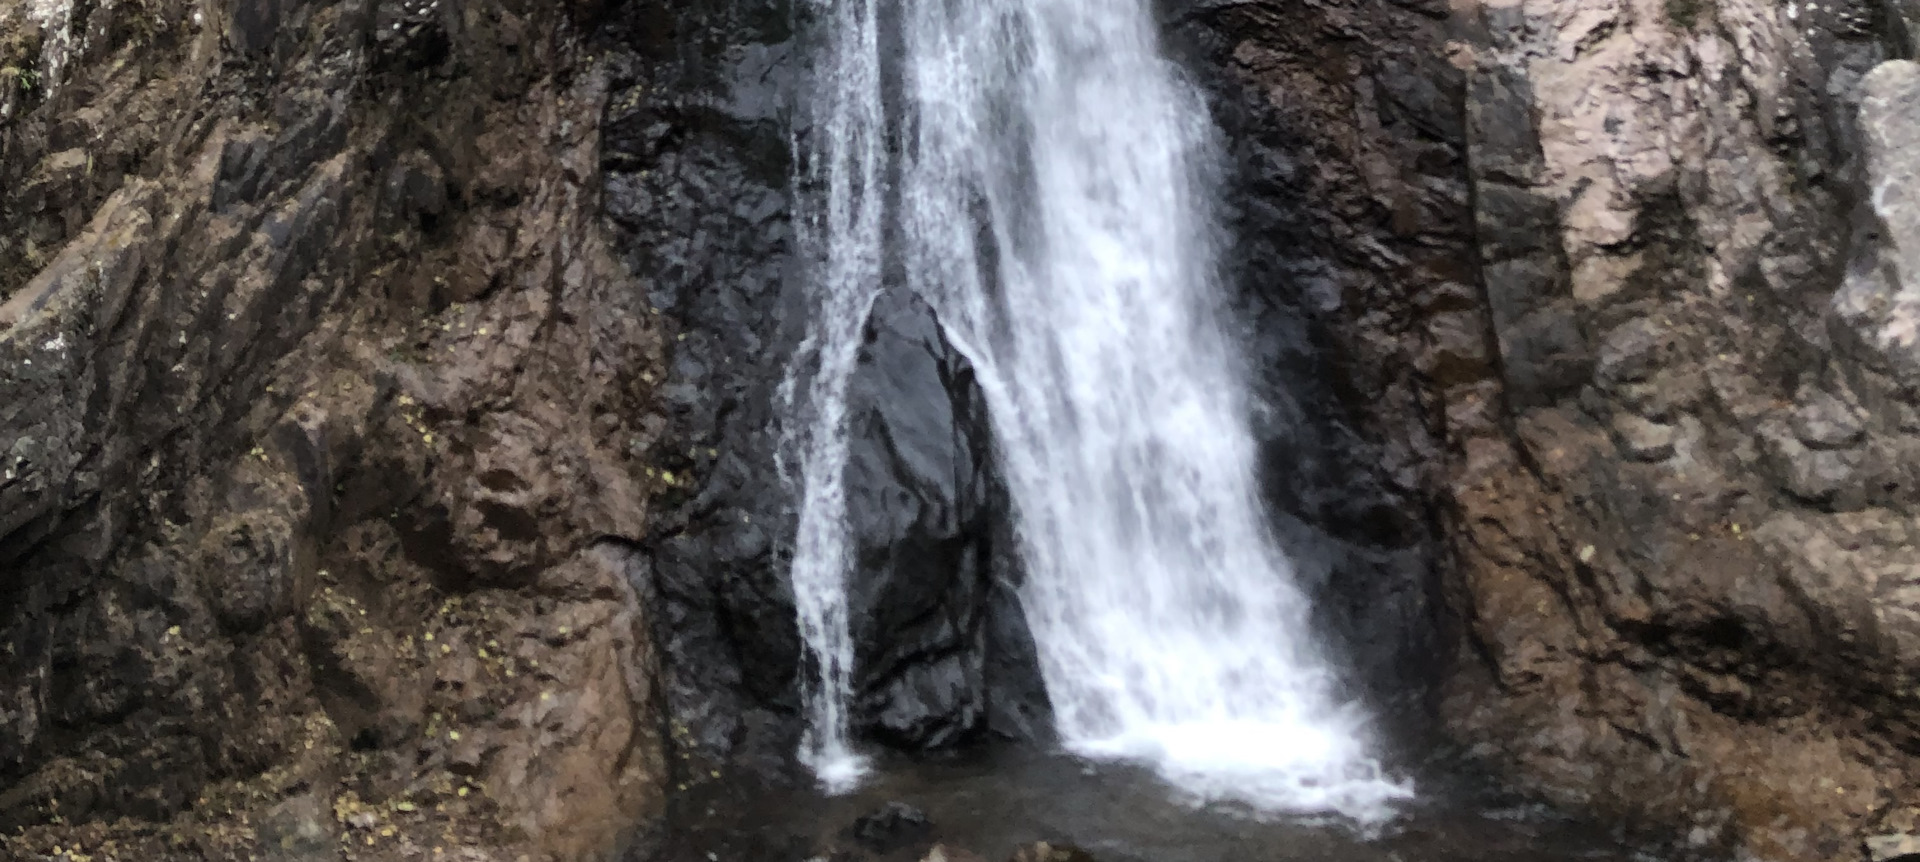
1049	175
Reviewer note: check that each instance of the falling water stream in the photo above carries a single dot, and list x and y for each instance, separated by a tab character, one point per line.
842	222
1042	176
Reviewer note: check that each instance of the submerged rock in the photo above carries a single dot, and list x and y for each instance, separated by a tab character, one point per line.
894	826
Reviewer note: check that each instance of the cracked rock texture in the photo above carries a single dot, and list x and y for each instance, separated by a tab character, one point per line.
1686	555
1618	294
699	163
1684	547
321	460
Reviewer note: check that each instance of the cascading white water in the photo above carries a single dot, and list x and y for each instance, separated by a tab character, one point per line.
1052	187
841	223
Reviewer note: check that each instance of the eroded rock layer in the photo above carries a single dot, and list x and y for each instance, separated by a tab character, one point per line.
1620	288
321	402
1637	270
698	181
1688	561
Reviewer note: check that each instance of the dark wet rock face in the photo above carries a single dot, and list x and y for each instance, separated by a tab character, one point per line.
917	488
940	642
1341	197
696	168
696	173
942	654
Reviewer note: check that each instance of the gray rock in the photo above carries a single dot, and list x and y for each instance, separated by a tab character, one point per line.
1514	223
1875	298
299	829
891	827
262	550
1888	848
1825	422
1546	356
922	501
1821	477
1515	287
1890	119
1643	440
1632	352
1500	117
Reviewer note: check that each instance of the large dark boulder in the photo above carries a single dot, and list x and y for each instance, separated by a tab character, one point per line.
923	500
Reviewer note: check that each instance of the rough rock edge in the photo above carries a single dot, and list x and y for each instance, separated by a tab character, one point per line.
281	404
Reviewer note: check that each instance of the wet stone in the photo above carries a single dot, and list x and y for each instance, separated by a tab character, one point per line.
893	826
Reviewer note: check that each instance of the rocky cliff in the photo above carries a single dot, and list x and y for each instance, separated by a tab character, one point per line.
1684	547
322	404
1622	289
387	396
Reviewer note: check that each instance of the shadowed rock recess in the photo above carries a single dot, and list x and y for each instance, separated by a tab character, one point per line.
389	455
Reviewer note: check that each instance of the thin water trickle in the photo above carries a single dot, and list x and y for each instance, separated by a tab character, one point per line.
1053	172
841	223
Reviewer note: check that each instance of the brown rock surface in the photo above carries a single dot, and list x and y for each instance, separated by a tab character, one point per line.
1621	290
1701	616
319	460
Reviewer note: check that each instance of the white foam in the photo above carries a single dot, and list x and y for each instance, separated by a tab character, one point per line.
838	769
1270	766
